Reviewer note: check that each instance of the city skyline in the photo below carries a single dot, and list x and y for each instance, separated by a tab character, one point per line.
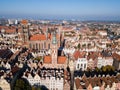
61	9
42	51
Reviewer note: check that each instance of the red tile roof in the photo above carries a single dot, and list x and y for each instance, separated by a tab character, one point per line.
67	28
78	54
96	81
20	30
10	31
44	28
116	56
14	55
47	59
93	55
61	59
24	22
38	37
77	82
1	27
14	69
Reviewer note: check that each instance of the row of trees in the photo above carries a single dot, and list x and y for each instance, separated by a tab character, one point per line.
103	70
22	84
39	58
84	45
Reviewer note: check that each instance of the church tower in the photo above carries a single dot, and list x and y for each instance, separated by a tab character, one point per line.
54	48
25	30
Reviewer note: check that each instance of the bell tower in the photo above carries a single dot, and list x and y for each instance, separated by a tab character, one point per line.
54	48
25	30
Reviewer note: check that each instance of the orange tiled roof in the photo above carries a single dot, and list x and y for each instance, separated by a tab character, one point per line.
5	27
38	37
78	54
67	29
20	30
61	59
44	28
92	55
24	22
116	56
47	59
1	27
10	31
77	82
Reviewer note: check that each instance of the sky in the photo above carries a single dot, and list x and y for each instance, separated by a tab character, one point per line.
84	9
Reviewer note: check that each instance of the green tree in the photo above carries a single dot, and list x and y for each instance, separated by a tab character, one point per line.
38	88
89	45
39	58
0	88
103	68
107	68
22	84
78	46
84	45
110	68
97	69
80	36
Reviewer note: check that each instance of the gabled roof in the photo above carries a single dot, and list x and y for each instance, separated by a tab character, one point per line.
61	59
36	76
47	59
15	69
116	56
10	31
24	22
77	54
93	55
38	37
30	76
97	81
77	83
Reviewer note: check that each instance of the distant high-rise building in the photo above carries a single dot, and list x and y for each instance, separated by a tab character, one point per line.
16	22
3	21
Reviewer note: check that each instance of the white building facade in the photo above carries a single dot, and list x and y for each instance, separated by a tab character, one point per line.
52	83
4	85
81	63
104	61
